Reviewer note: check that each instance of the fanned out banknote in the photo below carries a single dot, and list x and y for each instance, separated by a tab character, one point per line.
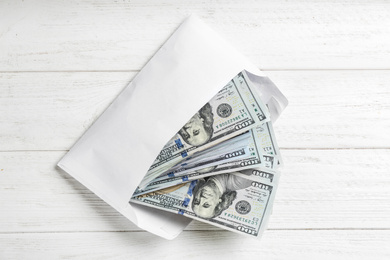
222	166
187	172
266	176
268	142
242	81
232	111
224	151
231	201
264	154
252	142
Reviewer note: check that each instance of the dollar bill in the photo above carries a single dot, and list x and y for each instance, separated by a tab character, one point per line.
228	114
226	149
232	149
262	175
238	153
238	148
257	158
268	143
240	141
230	201
189	172
253	96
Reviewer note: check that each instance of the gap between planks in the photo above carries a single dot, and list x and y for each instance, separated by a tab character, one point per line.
281	148
193	230
135	71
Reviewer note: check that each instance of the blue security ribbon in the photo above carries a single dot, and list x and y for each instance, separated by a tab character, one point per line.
179	143
186	202
192	186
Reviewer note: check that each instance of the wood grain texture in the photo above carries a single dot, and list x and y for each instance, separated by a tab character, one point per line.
328	109
123	35
63	62
333	189
284	244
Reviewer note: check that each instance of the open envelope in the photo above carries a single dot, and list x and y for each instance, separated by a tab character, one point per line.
112	157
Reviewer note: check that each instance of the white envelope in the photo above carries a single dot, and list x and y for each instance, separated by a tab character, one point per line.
113	155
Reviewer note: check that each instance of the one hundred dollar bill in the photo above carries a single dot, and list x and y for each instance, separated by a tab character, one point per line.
262	175
240	141
228	114
230	201
187	173
225	157
237	149
247	140
257	159
269	144
253	96
230	150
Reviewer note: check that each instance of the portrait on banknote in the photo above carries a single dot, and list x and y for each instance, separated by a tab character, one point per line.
213	195
199	129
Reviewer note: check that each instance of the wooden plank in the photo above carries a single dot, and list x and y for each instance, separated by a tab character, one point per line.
123	35
283	244
319	189
334	109
40	110
328	109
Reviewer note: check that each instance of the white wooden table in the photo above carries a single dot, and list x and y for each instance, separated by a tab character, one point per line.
63	62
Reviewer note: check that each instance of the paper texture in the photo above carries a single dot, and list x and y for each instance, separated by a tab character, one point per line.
112	157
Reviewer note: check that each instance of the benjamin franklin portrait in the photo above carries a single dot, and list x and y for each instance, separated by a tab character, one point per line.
199	129
216	194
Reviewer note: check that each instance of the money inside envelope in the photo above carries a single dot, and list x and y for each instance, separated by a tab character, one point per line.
221	167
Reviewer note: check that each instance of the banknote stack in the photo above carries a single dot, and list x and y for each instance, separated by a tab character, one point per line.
222	166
